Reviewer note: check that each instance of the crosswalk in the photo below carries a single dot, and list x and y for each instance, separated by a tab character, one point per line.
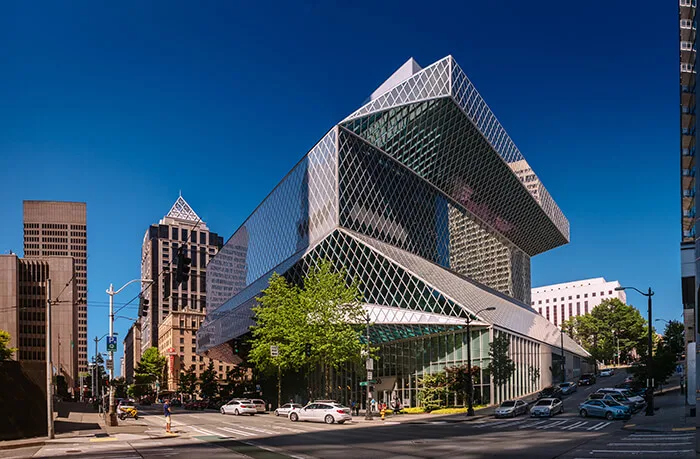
641	445
548	424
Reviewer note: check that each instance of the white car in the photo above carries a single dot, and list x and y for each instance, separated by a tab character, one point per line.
639	401
547	407
285	409
322	412
259	404
604	373
239	407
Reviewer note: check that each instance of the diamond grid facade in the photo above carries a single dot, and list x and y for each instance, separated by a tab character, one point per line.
413	196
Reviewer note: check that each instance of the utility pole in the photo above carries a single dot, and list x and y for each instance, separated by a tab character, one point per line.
49	370
368	409
112	413
563	362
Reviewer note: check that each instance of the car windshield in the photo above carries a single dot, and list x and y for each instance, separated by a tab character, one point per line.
507	404
626	393
564	384
543	403
619	397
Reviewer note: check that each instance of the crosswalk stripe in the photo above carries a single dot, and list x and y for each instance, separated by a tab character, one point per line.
513	423
637	436
532	425
203	431
575	425
605	424
290	429
649	444
553	424
593	427
238	432
491	424
255	429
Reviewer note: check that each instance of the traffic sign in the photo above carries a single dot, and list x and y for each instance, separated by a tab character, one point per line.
370	375
110	364
369	364
274	351
365	383
112	343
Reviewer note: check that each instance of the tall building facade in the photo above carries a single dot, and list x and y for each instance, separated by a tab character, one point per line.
559	302
417	195
23	297
53	228
132	351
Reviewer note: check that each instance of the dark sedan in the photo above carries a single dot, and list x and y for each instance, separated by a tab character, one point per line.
550	392
586	380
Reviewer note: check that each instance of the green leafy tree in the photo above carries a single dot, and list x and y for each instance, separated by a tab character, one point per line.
674	337
6	351
325	313
188	381
208	386
501	367
151	368
120	387
140	388
236	379
534	375
458	379
434	391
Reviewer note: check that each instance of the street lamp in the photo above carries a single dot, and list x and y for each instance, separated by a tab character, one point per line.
470	396
650	359
112	413
95	382
368	408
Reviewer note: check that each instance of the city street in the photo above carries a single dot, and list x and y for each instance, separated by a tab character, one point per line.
208	433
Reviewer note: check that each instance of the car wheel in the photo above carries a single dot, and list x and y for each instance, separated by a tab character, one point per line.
583	413
341	422
277	413
609	416
294	417
136	418
329	419
236	412
222	411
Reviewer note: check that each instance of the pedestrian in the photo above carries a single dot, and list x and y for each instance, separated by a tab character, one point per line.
352	406
166	412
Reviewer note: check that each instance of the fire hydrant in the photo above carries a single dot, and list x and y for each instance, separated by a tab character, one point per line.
383	412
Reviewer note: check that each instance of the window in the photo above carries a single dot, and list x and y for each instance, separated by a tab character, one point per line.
540	311
585	306
554	300
175	236
547	312
562	298
562	313
182	340
578	308
602	293
194	350
593	293
555	316
202	237
571	309
610	293
547	300
194	340
578	296
585	295
569	297
539	302
184	235
182	349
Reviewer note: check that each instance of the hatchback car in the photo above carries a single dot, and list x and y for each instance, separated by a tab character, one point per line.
285	409
621	399
568	388
547	407
586	380
321	412
608	409
511	408
259	404
550	392
238	407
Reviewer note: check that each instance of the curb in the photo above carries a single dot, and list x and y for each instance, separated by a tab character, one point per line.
667	430
28	444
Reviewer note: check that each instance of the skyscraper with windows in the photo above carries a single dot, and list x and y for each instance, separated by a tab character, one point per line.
59	229
423	197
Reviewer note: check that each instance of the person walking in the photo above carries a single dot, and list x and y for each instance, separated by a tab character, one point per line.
166	412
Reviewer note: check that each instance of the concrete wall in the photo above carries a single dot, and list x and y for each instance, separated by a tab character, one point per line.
23	399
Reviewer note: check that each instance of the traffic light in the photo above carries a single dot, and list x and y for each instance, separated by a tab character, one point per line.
143	305
236	348
182	267
307	349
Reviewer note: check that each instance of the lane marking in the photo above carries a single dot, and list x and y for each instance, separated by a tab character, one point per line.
532	425
553	424
237	432
205	432
638	436
255	429
597	425
603	426
680	429
636	451
575	425
649	444
513	423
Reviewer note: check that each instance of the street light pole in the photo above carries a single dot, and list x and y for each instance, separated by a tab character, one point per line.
650	358
470	395
49	369
112	411
563	359
368	408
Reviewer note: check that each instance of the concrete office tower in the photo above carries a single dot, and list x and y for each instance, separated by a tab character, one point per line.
132	351
53	228
23	285
559	302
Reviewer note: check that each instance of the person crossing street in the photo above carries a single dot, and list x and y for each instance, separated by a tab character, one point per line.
166	412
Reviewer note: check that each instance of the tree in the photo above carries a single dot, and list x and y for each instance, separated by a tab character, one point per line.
208	386
458	379
674	337
140	388
120	387
235	382
434	391
151	367
5	351
501	366
534	374
325	313
188	381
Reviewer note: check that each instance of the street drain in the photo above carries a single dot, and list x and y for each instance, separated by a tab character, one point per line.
74	451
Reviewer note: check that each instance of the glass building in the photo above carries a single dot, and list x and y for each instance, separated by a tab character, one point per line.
420	195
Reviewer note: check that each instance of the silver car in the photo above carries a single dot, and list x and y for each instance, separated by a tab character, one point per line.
568	388
547	407
285	409
511	408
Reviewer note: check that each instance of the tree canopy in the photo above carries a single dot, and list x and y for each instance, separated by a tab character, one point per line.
322	315
187	383
208	386
674	337
151	366
501	367
6	351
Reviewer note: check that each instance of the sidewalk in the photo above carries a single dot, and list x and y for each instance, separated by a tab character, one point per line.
669	414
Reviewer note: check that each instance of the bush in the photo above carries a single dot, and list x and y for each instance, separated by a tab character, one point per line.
449	411
414	410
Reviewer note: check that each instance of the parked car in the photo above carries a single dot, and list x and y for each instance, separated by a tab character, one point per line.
238	407
608	409
511	408
605	373
619	398
321	412
547	407
259	404
629	380
638	400
550	392
286	408
586	379
568	388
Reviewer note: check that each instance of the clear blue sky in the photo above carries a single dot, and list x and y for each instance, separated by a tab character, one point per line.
124	105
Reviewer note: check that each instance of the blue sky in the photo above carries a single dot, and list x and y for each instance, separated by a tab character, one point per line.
124	105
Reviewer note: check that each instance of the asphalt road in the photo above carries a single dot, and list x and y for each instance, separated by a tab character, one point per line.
212	435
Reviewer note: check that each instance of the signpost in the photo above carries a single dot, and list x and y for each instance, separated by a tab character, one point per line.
111	344
367	383
110	364
274	351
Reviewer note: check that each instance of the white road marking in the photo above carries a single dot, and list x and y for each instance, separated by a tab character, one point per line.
639	436
255	429
636	451
597	425
513	423
205	432
649	444
237	432
292	430
575	425
605	424
532	425
553	424
491	424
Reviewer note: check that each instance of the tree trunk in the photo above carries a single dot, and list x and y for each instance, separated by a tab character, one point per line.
327	374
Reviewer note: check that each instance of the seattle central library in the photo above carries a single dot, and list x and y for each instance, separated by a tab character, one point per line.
422	196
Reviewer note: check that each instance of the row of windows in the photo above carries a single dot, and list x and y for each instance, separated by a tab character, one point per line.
78	227
32	342
585	295
687	67
554	311
33	329
33	316
31	225
32	355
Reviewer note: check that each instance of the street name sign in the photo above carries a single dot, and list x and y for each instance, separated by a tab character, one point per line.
365	383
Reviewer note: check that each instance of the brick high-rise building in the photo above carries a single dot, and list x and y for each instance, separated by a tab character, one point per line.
59	229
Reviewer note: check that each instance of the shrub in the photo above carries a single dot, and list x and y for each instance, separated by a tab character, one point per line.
414	410
449	411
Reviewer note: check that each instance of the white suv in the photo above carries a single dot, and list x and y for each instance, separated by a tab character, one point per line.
238	407
322	412
639	401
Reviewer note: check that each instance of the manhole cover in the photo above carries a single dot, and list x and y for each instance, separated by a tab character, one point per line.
74	451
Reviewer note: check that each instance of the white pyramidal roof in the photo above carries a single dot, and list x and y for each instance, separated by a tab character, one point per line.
183	211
